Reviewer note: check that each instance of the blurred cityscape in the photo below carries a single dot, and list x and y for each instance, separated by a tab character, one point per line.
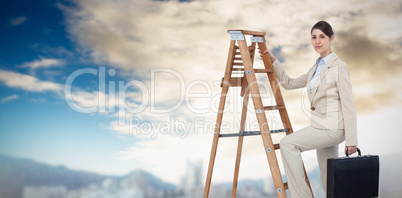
24	178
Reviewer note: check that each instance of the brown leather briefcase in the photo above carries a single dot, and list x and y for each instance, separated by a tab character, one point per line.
353	177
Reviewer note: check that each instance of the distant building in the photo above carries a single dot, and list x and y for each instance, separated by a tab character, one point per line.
268	185
44	192
192	182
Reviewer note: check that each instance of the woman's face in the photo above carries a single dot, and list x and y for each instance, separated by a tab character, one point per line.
321	42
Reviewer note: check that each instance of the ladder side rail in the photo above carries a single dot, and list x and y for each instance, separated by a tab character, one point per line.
242	124
262	120
278	98
240	143
225	88
275	86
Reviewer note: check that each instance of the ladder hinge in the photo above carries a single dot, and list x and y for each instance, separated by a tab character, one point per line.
236	35
257	39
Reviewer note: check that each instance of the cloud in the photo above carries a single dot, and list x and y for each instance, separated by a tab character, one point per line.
28	83
191	38
374	67
9	98
367	56
44	63
91	102
85	99
18	20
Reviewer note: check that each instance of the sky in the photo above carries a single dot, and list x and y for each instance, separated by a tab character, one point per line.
112	86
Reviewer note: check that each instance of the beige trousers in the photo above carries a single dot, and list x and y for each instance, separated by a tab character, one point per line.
324	141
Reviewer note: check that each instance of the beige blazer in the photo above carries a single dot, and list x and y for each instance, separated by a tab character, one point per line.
331	99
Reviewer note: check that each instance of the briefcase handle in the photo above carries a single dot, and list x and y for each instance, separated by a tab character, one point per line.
358	151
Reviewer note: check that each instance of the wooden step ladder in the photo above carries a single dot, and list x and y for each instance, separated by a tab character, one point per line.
248	84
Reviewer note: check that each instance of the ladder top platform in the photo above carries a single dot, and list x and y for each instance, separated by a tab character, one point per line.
249	32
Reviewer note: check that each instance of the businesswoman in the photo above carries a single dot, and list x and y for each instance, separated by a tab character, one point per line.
333	114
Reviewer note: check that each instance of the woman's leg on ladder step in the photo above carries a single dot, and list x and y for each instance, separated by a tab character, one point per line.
291	147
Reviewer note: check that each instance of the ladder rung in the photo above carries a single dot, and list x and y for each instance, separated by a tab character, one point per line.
237	63
234	81
263	70
249	133
250	51
268	108
276	146
279	131
238	58
238	69
285	185
241	133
